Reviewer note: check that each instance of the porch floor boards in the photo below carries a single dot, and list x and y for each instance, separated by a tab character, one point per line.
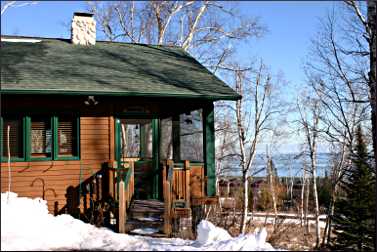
146	214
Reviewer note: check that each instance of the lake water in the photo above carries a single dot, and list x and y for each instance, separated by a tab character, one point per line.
286	165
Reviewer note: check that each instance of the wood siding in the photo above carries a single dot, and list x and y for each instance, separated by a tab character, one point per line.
58	178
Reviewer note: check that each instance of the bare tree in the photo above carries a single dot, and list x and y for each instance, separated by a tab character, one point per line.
271	181
338	69
253	114
338	73
206	29
338	170
310	127
14	4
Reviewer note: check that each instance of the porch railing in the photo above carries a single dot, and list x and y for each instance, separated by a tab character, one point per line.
176	190
122	183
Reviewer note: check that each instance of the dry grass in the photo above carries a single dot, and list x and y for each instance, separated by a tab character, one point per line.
284	235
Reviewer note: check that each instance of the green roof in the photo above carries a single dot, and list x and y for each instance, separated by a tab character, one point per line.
55	66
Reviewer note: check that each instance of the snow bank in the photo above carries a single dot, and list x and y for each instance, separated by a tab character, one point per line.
215	238
207	233
27	225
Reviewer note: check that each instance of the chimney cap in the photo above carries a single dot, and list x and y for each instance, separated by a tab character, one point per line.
83	14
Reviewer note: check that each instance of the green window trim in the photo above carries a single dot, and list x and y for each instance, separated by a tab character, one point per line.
26	135
56	155
12	159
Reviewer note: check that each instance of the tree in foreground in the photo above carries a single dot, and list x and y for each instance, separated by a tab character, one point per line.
353	220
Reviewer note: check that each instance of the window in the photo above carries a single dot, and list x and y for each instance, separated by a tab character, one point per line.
166	139
130	140
191	136
40	138
136	138
67	137
15	138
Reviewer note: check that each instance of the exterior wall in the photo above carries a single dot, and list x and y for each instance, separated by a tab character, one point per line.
58	177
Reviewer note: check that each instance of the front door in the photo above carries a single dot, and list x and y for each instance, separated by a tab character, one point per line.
135	142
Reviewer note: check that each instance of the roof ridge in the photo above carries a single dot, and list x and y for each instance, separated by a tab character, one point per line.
101	41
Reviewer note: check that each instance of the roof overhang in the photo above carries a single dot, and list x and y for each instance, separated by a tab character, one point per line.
124	94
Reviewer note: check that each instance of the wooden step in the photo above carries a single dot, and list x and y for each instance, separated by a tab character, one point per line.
146	214
154	235
146	208
136	224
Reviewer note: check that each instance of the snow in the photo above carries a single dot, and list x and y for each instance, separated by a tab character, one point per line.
260	217
27	225
207	233
146	231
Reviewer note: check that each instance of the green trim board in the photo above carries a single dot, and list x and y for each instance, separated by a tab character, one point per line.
55	136
209	148
123	94
117	140
176	138
1	139
27	138
156	157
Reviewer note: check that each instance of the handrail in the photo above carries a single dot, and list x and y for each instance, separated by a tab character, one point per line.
169	197
124	177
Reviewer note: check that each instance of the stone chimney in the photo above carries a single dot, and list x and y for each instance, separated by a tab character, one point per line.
83	29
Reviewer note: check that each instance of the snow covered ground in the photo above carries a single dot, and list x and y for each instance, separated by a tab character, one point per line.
27	225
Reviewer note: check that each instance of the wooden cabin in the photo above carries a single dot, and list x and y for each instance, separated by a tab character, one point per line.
109	132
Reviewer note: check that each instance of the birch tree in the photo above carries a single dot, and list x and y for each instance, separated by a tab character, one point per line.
206	29
338	71
253	113
5	5
309	120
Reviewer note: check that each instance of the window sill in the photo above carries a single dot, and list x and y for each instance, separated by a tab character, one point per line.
40	159
66	158
5	160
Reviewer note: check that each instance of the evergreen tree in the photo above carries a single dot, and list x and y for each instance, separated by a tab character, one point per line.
354	222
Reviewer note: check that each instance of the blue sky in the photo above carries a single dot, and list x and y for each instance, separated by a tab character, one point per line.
291	24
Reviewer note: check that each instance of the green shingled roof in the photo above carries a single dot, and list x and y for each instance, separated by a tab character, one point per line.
55	66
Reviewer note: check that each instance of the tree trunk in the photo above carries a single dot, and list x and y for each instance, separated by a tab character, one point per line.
372	9
272	188
307	194
372	73
316	210
245	203
302	198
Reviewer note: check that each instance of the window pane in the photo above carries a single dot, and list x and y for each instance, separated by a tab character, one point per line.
15	138
41	137
191	136
166	143
130	140
67	137
136	138
147	140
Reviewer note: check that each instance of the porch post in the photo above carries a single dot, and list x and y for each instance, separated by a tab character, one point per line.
156	157
209	148
176	139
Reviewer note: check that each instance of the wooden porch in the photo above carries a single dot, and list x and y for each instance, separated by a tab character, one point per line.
175	214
